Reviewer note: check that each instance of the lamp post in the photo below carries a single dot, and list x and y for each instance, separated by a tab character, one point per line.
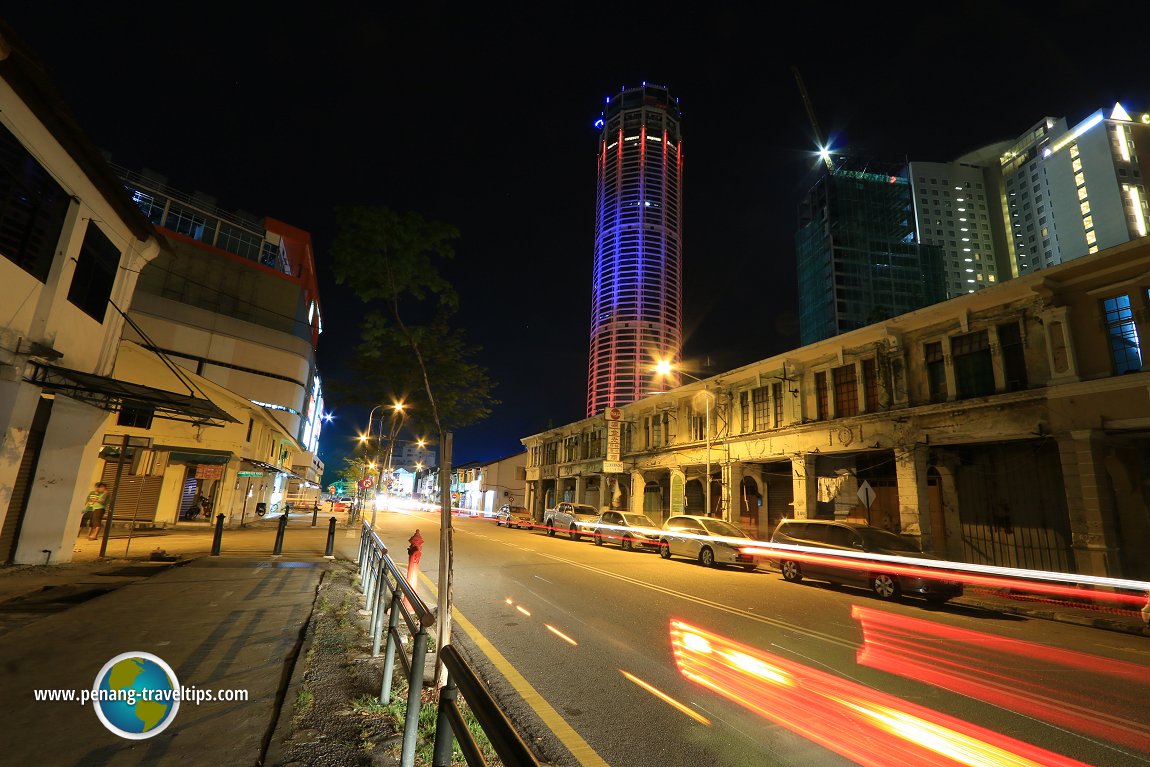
397	408
663	368
396	424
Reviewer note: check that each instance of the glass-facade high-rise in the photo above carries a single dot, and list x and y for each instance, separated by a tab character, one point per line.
860	259
636	300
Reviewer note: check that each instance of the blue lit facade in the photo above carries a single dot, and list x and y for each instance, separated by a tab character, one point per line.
636	302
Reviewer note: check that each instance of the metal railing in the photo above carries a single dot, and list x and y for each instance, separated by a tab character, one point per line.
379	574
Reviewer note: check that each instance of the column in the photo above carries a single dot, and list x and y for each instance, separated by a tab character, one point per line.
806	485
913	502
638	492
1090	503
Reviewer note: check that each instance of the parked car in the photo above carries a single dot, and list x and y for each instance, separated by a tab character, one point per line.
855	537
710	541
570	517
514	516
630	530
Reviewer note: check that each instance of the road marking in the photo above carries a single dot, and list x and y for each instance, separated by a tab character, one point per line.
579	748
758	618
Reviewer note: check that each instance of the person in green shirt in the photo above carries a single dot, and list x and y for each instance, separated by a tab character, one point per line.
94	508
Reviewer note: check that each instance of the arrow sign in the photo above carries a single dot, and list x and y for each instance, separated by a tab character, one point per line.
867	494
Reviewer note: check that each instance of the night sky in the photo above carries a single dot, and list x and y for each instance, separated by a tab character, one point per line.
483	118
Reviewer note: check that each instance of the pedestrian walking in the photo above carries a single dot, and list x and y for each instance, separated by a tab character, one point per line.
94	509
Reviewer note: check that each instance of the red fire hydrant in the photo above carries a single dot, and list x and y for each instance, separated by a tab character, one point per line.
414	554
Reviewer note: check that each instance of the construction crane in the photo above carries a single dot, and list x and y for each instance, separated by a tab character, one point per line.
823	152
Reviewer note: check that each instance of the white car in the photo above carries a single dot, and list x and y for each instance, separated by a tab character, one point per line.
709	541
630	530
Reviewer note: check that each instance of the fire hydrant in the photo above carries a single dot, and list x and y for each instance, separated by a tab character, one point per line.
414	554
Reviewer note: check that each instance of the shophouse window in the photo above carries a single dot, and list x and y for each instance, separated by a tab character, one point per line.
32	209
95	273
744	412
759	401
846	391
870	384
973	369
657	430
1013	356
1125	351
777	399
935	371
822	405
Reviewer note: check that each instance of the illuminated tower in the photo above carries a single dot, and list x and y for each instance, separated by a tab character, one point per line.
636	286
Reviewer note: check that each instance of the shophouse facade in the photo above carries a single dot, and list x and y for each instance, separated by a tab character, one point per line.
1010	426
72	245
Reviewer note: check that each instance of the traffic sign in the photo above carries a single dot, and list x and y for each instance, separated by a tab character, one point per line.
867	494
366	483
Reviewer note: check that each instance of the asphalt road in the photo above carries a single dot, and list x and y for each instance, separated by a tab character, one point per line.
577	641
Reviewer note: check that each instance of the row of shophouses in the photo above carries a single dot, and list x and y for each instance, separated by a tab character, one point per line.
147	339
1008	427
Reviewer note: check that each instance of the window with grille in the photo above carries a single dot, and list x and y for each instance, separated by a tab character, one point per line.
935	371
760	403
870	385
846	391
1013	356
822	403
1125	350
973	369
744	412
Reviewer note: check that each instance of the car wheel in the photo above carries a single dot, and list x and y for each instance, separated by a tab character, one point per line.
598	538
626	544
791	571
550	528
664	550
884	585
706	557
574	533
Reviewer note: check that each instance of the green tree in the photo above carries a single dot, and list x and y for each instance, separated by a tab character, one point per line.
409	350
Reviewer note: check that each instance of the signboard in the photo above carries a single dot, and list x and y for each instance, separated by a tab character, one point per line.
867	494
613	467
249	473
614	438
209	471
366	483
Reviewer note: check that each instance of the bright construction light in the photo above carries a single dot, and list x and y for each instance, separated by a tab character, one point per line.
824	154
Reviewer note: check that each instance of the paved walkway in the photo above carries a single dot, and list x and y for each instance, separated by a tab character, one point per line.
229	622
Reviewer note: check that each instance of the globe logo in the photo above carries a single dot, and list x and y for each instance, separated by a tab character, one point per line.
136	695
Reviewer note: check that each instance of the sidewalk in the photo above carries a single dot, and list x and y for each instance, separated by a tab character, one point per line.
233	622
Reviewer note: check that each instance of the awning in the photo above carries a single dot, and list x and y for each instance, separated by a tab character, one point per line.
272	468
199	456
113	395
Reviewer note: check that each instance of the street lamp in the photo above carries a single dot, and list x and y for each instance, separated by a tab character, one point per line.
396	423
663	368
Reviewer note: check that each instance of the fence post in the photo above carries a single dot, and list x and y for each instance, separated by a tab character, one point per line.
444	735
279	547
414	698
329	552
314	513
218	536
389	653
